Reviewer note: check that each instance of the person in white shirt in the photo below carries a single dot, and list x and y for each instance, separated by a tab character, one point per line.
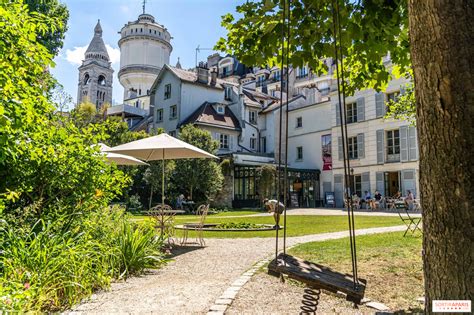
409	200
276	207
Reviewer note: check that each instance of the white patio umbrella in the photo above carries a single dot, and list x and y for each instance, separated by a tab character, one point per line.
162	147
119	159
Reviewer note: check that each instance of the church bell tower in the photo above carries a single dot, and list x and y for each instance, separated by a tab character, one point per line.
96	73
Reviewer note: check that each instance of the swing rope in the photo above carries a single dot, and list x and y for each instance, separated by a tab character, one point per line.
339	57
288	16
284	79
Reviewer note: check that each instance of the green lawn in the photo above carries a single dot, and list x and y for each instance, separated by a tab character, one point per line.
219	214
296	225
391	264
235	213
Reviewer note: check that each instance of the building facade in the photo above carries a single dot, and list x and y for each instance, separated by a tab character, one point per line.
383	152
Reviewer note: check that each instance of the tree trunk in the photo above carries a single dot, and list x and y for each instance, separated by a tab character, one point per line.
442	52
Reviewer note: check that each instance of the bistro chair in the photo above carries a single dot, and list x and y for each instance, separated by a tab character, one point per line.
202	212
412	223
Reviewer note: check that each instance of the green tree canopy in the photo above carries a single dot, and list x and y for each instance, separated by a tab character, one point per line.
200	179
54	37
23	75
370	31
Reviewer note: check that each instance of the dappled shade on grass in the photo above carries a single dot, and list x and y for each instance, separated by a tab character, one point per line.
391	264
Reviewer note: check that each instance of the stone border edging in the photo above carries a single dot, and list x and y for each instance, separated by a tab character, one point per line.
225	300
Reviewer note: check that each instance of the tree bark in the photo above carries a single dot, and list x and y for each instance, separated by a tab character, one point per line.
442	52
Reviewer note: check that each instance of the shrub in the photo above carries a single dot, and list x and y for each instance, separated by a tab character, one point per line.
138	249
134	203
49	270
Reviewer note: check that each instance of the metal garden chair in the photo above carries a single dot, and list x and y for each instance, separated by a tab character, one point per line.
202	212
412	223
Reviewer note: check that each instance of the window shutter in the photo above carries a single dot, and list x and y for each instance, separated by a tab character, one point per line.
365	182
412	144
338	190
361	109
380	183
404	143
231	142
339	148
360	146
408	182
379	104
338	114
380	146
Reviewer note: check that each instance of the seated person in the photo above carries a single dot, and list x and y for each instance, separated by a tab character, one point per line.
378	197
409	199
179	201
276	207
368	199
356	201
398	195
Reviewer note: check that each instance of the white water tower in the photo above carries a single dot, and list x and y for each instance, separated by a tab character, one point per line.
144	49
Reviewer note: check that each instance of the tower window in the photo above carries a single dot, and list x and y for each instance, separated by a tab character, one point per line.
141	30
155	32
86	79
101	80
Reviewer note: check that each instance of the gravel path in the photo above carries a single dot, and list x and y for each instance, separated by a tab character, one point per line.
195	278
265	294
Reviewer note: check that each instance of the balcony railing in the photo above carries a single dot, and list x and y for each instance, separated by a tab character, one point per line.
393	158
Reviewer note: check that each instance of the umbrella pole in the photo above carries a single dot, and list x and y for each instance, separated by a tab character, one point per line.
163	182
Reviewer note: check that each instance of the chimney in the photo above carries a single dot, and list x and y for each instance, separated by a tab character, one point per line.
213	77
202	73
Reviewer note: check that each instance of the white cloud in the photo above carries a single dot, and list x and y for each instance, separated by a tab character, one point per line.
76	55
114	53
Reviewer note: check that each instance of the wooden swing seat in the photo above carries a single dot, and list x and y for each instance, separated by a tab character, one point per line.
317	276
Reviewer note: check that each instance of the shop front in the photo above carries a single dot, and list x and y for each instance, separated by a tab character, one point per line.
303	188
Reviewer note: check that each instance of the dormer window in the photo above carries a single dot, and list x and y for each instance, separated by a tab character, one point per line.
227	93
220	109
276	75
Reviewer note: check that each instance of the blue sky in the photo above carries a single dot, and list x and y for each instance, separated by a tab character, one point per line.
190	22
